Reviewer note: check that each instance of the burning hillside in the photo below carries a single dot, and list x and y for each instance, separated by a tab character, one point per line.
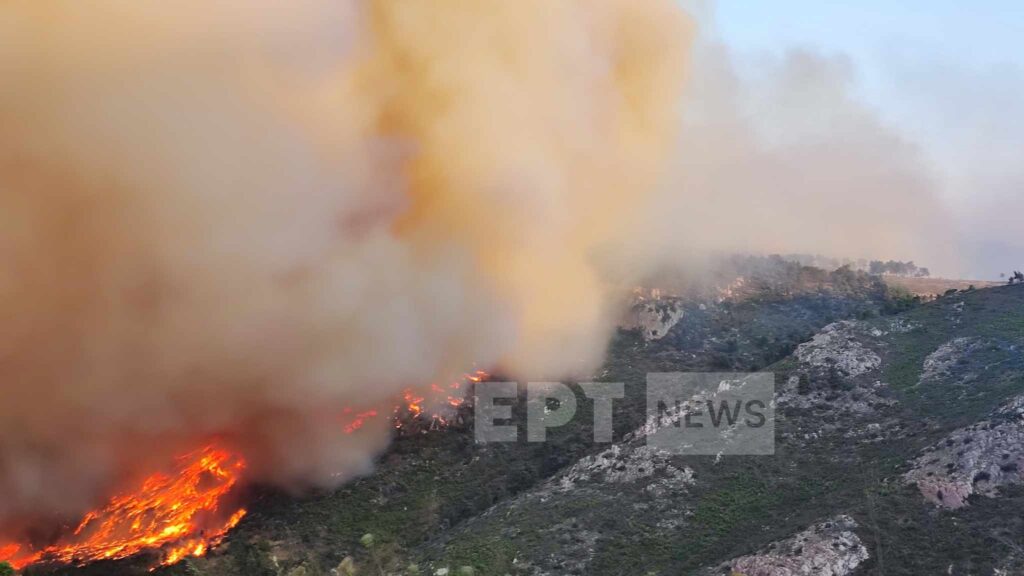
227	220
187	510
179	513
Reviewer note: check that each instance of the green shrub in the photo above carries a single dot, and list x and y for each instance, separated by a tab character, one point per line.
6	569
899	300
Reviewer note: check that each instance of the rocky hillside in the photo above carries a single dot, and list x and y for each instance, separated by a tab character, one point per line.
899	452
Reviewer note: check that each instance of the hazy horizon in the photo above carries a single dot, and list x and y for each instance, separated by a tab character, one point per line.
945	78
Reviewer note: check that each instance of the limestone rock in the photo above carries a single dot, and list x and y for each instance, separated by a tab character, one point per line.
977	459
830	548
838	346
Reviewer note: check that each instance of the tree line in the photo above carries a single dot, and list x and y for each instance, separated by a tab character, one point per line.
896	268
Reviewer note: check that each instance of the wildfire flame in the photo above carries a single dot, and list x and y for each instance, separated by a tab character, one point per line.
181	514
175	513
415	403
431	406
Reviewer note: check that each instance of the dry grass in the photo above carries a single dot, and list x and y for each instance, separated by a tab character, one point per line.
935	286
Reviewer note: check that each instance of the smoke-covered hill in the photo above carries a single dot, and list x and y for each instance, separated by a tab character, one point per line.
898	453
440	500
899	442
244	240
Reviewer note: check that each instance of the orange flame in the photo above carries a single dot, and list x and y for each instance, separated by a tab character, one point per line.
170	512
353	423
175	513
430	405
415	402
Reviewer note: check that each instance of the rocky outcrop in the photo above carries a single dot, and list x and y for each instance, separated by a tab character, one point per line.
655	318
830	548
940	363
626	464
835	385
966	362
974	460
838	347
850	398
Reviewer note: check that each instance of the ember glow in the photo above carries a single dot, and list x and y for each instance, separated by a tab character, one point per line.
430	407
434	404
180	515
184	514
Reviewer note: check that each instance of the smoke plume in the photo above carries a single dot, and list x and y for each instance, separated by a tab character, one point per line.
234	219
780	157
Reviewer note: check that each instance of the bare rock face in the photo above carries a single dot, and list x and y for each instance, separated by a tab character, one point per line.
859	399
837	384
830	548
655	318
626	464
838	347
940	363
977	459
968	362
1014	408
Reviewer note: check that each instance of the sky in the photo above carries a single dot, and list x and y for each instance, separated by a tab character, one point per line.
947	75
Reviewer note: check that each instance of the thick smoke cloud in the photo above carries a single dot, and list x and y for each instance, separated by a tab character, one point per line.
233	219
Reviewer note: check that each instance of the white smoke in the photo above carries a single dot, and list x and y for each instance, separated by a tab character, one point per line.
782	158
